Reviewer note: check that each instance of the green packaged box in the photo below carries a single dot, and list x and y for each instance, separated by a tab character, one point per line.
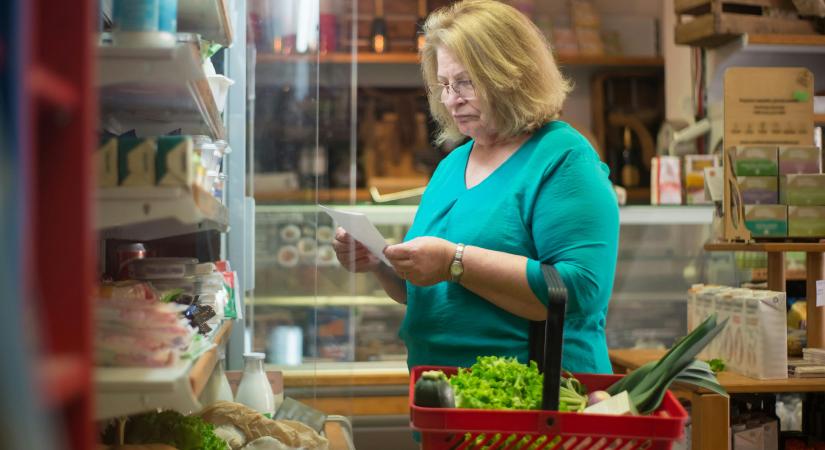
755	161
106	163
767	220
174	163
806	221
805	190
136	161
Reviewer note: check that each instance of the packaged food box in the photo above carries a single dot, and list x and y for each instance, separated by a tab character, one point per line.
806	221
800	159
759	190
136	161
805	190
162	268
755	161
106	163
174	164
695	177
767	220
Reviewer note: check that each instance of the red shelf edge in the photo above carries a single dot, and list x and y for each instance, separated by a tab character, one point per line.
52	89
63	378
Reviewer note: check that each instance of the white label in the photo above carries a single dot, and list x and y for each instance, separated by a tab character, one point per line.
820	292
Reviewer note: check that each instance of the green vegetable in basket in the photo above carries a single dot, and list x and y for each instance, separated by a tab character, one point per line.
167	427
495	382
648	384
716	365
433	390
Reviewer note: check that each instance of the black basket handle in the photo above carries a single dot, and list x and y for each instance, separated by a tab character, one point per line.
548	335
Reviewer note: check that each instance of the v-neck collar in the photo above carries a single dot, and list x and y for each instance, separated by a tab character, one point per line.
497	169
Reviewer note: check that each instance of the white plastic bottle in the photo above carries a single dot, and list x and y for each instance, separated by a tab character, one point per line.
255	390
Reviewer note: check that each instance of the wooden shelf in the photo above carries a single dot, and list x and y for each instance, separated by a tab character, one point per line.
786	39
412	58
819	118
765	247
734	383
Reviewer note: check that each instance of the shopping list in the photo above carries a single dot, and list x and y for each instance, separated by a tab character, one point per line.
360	227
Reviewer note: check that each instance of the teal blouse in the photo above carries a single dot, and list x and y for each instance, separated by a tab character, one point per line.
552	202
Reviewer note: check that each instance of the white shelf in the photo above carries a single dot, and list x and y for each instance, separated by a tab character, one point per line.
156	91
323	300
147	213
209	18
121	391
628	215
665	215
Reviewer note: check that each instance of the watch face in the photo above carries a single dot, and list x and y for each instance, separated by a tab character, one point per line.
456	269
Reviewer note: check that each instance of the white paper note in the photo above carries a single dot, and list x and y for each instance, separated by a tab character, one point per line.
360	227
820	292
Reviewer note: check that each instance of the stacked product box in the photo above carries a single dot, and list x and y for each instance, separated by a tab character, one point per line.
782	189
754	340
174	161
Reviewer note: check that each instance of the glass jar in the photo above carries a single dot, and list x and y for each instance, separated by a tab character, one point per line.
254	390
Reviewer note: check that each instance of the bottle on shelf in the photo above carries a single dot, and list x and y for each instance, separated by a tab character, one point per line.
630	172
254	390
217	389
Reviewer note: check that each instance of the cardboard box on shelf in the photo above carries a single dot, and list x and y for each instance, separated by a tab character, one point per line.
136	161
106	163
759	190
695	177
806	221
800	159
805	190
174	162
767	220
755	161
665	181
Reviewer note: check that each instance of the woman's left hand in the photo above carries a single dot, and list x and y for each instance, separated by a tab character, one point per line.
423	261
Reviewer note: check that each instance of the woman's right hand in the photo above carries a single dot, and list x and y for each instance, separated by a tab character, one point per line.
353	255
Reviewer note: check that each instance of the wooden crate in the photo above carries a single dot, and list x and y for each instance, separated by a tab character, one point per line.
714	22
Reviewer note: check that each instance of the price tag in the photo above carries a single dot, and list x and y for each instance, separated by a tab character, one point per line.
820	292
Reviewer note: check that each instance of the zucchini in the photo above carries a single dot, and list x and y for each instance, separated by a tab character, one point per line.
433	390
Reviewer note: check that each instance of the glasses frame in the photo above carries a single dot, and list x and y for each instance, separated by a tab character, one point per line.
443	89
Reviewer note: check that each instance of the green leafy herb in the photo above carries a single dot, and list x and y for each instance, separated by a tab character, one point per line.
168	427
495	382
716	365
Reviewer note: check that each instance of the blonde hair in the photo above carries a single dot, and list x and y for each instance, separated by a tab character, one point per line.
508	60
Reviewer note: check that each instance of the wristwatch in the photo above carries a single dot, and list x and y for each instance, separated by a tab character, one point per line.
457	266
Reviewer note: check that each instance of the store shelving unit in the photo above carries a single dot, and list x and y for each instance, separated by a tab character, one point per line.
123	391
210	19
815	268
147	213
156	91
412	58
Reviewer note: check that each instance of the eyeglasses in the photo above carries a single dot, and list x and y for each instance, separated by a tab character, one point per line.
461	88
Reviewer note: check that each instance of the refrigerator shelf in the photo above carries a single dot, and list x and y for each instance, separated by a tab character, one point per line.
154	212
156	91
121	391
210	19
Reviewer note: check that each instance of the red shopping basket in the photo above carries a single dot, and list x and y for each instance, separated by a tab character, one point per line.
546	429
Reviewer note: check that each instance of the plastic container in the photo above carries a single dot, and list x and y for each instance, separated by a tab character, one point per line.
136	24
219	85
254	389
162	268
168	16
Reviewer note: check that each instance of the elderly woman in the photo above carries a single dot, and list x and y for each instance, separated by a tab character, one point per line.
526	190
